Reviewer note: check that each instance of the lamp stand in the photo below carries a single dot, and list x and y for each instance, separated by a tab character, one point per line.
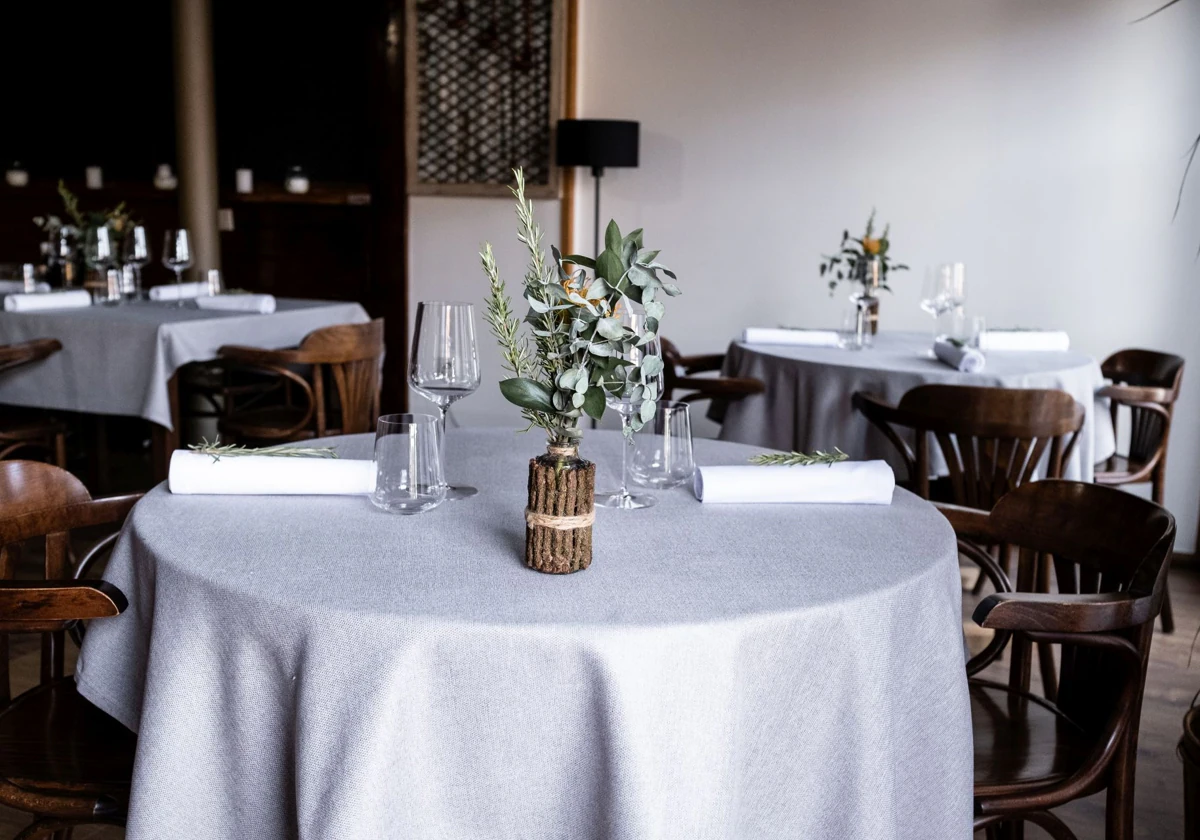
597	174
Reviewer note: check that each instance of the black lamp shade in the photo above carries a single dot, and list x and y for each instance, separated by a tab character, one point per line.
597	143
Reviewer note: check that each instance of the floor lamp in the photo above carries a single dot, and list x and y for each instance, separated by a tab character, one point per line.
598	144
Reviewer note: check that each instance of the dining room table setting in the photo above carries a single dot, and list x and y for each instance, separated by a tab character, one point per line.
455	632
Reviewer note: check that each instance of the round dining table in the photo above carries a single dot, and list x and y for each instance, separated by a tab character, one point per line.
314	667
807	402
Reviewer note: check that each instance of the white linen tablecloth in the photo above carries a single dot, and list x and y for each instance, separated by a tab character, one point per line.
118	359
316	668
807	404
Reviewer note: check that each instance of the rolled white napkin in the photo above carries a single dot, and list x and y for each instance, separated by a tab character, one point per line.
180	291
262	304
1024	340
16	287
963	359
844	483
785	335
192	473
73	299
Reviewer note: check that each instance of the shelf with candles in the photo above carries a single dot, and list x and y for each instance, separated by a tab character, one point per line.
354	195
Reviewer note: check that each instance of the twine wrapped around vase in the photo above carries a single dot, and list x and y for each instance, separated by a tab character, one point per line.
561	510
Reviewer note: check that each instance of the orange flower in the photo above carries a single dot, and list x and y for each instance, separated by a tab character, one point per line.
871	246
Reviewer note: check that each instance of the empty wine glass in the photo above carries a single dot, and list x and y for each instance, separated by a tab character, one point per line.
944	290
445	362
177	256
135	253
98	248
635	321
64	253
662	449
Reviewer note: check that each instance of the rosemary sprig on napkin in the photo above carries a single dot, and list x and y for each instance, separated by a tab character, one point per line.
218	450
798	459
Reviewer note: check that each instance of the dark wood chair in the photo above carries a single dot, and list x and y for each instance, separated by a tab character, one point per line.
1109	553
1147	384
349	354
24	429
993	440
62	760
681	374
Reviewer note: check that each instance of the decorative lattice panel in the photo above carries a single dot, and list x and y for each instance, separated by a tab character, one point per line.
483	90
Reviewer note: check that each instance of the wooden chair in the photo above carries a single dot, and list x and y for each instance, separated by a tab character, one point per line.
350	353
62	760
1147	383
680	374
993	440
1109	552
22	429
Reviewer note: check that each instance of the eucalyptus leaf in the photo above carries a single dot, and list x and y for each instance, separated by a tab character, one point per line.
610	328
639	276
577	400
593	403
612	237
647	411
671	289
580	260
526	393
652	366
608	266
654	309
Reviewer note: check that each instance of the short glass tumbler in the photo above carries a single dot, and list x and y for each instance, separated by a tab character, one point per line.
662	449
409	477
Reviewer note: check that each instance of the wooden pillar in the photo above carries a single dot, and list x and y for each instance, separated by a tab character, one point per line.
196	130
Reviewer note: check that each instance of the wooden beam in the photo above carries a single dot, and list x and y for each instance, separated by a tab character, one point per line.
566	234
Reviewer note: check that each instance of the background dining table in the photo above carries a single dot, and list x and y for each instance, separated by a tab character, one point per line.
122	359
807	402
313	667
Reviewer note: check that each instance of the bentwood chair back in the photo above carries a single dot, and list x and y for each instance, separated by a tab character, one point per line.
351	354
22	429
680	374
62	760
1109	552
1146	383
992	439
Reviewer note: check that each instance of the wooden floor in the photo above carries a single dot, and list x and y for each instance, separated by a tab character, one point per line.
1169	690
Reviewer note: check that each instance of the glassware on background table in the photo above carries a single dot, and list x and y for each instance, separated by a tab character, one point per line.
215	285
64	254
99	255
177	256
135	253
854	331
444	366
623	498
662	449
29	278
976	328
944	289
409	471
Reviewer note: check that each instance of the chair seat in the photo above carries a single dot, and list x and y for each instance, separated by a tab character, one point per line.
52	739
1020	744
28	424
1120	469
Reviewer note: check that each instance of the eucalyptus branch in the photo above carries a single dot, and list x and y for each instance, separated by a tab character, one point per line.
799	459
229	450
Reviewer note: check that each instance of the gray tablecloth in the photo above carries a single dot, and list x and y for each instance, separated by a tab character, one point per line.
118	359
807	402
312	667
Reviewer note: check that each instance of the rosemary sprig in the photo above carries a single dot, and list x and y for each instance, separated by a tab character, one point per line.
799	459
218	450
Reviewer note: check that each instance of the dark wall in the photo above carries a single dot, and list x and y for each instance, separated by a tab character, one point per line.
86	84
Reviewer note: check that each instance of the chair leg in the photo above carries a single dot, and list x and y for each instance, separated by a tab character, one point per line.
1158	492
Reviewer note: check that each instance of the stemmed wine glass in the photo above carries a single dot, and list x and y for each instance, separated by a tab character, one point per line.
445	362
944	290
177	256
135	252
98	252
635	321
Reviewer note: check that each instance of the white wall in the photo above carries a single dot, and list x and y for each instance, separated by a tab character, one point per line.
446	236
1038	142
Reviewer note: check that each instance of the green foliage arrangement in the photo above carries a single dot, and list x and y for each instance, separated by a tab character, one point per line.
850	262
799	459
572	356
118	218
